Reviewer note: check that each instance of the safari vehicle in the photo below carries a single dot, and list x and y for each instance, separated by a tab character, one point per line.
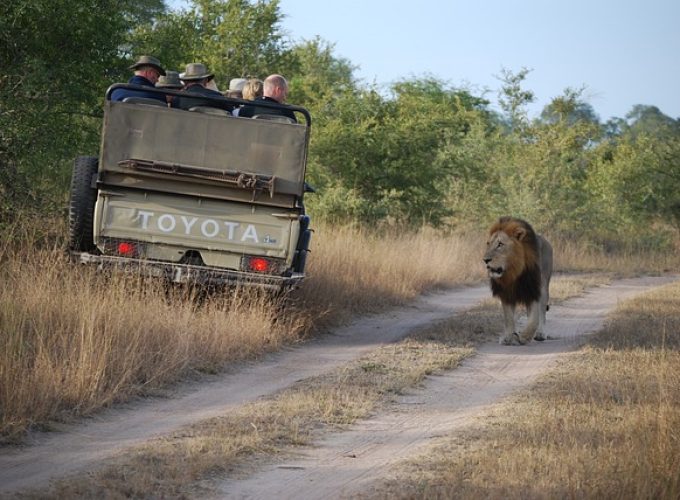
194	195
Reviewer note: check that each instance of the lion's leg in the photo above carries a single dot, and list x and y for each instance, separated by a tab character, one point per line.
532	324
543	308
509	336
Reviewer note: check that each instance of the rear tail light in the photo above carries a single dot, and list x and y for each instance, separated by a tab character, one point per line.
123	248
127	249
261	265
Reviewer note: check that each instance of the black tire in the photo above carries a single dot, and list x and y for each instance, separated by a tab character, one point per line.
81	206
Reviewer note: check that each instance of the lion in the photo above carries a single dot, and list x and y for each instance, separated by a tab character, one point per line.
519	264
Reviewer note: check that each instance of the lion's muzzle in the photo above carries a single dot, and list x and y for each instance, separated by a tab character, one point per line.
494	272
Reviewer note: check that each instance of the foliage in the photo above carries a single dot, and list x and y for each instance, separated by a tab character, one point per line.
420	152
53	54
234	38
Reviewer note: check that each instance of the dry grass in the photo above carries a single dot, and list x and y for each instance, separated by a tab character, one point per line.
74	341
353	271
183	463
602	426
580	256
179	465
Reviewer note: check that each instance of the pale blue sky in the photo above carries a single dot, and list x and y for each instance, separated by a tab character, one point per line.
625	52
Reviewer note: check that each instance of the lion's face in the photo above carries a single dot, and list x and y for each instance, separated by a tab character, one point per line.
504	255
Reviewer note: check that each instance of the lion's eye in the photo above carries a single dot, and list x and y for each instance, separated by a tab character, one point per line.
500	244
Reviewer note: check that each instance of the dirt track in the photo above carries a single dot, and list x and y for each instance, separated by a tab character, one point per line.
347	463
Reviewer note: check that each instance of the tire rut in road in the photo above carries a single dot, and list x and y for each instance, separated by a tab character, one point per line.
348	463
79	447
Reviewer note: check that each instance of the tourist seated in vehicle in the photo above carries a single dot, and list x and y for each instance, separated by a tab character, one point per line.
195	79
170	81
252	89
147	71
235	90
275	90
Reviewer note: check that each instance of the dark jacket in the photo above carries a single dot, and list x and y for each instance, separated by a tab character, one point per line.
183	102
120	94
250	110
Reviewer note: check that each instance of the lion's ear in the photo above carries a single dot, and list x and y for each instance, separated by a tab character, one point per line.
520	233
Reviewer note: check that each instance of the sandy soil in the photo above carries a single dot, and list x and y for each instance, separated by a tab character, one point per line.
344	464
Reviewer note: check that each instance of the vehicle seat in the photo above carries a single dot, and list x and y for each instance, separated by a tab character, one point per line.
145	100
210	110
274	118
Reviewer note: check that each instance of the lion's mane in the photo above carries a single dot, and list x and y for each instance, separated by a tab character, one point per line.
521	283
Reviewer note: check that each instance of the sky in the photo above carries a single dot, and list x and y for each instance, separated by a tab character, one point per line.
624	52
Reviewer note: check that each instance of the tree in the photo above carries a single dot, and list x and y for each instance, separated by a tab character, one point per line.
569	108
234	38
55	59
319	76
513	99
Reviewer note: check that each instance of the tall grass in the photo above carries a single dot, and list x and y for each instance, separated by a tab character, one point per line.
358	271
74	340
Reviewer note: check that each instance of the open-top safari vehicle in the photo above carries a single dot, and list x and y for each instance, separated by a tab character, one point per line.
194	195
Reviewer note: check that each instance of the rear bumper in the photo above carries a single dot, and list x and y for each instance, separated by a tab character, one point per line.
184	273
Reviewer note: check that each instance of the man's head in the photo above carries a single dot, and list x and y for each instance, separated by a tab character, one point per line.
196	73
149	67
276	87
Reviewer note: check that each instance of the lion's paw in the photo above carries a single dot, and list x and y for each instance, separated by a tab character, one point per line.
511	340
539	336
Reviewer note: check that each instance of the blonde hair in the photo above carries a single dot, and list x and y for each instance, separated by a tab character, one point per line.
253	88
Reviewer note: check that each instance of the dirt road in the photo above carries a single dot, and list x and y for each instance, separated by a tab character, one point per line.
344	464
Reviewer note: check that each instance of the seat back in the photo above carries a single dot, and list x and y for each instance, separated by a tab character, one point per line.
145	100
210	110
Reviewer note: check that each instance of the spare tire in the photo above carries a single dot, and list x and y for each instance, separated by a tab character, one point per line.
81	206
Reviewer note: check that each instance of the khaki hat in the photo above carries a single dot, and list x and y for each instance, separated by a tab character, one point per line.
169	81
148	61
195	71
237	84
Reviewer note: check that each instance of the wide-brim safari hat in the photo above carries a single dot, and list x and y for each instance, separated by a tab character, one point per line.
237	84
149	61
170	80
195	71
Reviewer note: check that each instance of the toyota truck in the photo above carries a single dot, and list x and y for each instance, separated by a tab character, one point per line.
194	196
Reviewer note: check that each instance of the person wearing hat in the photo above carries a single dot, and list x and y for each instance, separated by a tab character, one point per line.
147	71
195	79
169	81
236	88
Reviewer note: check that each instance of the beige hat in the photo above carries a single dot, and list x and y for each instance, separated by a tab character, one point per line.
195	71
169	81
237	84
148	61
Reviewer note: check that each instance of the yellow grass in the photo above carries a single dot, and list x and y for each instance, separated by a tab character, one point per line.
74	341
357	271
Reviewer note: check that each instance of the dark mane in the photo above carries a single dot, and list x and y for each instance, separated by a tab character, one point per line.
526	288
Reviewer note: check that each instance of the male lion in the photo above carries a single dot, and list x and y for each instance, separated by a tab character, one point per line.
519	263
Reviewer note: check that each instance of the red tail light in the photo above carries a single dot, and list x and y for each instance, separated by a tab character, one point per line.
259	265
127	249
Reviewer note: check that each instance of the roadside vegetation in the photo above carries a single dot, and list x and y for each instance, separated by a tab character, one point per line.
75	341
